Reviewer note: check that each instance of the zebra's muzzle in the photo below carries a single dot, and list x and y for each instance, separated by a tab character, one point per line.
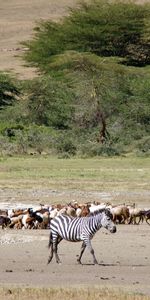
113	229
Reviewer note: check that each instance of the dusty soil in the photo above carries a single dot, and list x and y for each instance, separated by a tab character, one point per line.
124	260
17	20
123	257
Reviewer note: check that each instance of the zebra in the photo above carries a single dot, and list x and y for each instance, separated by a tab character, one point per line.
78	229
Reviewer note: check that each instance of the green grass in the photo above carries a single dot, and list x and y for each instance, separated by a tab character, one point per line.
96	174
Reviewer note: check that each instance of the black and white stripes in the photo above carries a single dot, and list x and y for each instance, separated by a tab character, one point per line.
78	229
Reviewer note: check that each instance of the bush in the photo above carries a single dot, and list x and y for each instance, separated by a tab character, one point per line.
66	146
96	149
144	145
9	90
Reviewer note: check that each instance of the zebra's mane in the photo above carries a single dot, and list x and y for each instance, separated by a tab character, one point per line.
99	211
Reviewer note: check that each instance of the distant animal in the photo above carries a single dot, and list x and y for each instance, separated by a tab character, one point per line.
16	222
4	221
83	210
3	212
120	213
29	219
147	216
78	229
136	215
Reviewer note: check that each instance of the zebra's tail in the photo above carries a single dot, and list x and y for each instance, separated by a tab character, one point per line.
50	239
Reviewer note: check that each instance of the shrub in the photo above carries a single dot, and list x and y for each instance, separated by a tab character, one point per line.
144	145
9	90
65	145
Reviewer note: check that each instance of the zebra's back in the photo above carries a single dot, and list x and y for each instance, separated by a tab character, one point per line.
67	227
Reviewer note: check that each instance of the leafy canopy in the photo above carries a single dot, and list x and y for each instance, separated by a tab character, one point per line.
106	28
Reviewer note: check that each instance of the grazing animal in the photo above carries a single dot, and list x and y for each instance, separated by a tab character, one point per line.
78	229
29	219
4	212
136	215
83	210
147	216
4	221
120	213
16	222
18	212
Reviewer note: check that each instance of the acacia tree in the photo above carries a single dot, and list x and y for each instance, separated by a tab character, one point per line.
105	28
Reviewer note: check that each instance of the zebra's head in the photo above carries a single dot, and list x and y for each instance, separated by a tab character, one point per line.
106	221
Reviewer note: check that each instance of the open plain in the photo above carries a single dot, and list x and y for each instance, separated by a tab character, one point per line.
124	260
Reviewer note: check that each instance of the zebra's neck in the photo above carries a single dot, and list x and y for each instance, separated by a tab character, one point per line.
96	222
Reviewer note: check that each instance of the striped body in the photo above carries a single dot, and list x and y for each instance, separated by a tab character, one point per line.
74	229
78	229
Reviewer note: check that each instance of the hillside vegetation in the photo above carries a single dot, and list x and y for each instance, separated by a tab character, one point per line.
92	97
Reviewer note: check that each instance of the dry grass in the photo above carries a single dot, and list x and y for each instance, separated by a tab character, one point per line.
67	294
125	179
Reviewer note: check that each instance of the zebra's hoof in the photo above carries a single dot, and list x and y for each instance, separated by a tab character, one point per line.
79	261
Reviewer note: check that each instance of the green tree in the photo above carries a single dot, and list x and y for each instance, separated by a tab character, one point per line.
9	90
106	28
50	103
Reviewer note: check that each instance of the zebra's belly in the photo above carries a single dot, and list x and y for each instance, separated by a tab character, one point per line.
72	238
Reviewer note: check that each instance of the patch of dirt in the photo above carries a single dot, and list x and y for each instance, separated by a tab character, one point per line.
17	20
123	257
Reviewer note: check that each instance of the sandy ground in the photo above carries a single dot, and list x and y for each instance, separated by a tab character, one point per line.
124	260
17	20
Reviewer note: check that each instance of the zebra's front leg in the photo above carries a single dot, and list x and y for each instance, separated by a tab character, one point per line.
94	258
89	246
81	253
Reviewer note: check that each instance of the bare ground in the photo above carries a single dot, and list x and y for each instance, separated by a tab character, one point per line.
17	20
123	257
124	260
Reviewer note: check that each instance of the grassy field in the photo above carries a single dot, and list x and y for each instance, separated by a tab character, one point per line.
97	174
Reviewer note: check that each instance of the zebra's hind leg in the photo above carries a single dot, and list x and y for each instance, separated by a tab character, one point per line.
81	253
55	248
50	245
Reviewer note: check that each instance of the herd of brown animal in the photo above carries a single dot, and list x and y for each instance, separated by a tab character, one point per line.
40	217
